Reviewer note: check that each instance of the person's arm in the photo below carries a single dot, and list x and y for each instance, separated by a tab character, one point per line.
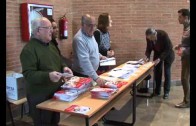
148	49
82	53
186	45
98	40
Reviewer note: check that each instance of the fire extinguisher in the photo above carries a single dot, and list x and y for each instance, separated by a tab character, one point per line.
63	27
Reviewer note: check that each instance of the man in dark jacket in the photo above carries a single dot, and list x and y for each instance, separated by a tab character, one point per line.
183	50
159	42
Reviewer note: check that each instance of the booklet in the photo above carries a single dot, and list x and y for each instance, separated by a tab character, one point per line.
102	93
108	62
78	109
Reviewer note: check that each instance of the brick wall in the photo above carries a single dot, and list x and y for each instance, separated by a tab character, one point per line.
130	20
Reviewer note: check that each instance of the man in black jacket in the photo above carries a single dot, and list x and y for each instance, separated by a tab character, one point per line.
183	50
159	42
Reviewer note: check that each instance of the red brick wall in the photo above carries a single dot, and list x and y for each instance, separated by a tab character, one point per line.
130	20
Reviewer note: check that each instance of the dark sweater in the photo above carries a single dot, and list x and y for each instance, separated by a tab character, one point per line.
163	47
37	60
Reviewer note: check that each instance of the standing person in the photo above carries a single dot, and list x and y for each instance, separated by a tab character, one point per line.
184	52
159	42
102	36
42	69
86	56
55	41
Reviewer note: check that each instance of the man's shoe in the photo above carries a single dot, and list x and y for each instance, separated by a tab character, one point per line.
96	124
166	96
182	105
142	90
157	94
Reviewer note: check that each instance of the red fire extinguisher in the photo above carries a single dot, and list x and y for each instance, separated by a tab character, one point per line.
63	27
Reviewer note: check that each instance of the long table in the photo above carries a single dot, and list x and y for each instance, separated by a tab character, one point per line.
98	107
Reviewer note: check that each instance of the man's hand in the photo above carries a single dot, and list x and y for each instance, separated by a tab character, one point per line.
157	61
146	59
103	57
110	53
180	51
100	81
67	70
55	76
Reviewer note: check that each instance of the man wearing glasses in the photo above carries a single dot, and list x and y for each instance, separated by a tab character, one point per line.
42	68
86	54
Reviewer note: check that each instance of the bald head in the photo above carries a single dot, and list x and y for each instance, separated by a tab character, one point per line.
88	24
87	19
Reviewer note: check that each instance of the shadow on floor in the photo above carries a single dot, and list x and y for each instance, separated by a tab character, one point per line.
125	113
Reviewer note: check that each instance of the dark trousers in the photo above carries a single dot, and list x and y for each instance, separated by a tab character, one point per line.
158	76
41	117
185	79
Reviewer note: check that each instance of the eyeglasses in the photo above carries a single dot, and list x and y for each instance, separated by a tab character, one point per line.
48	28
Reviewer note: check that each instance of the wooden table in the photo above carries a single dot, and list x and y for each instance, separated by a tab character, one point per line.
98	107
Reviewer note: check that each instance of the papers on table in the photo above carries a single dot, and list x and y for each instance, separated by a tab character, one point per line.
72	88
127	70
108	62
66	95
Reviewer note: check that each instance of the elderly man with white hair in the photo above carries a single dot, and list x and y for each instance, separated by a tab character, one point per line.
42	68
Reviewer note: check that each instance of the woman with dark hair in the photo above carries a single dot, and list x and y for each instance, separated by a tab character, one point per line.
102	37
55	42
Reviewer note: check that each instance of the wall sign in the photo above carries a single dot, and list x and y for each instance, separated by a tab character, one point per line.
29	12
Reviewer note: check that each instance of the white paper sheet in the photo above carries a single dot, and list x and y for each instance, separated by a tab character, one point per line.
108	62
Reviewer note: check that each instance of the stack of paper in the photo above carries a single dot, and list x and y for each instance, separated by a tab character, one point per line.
65	95
113	84
73	88
80	84
102	93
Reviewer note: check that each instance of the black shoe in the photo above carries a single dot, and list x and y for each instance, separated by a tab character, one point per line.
157	94
96	124
183	105
113	108
166	96
142	90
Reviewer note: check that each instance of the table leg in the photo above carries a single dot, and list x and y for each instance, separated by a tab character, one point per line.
11	116
22	107
87	121
118	123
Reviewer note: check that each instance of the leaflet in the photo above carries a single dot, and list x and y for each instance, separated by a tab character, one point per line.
78	109
108	62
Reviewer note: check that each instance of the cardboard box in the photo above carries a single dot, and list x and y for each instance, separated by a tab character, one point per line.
15	86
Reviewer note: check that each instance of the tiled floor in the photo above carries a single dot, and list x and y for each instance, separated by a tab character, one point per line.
150	111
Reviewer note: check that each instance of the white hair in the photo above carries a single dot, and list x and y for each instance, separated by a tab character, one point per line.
35	24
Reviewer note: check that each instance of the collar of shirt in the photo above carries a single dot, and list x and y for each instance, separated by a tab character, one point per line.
43	43
85	33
